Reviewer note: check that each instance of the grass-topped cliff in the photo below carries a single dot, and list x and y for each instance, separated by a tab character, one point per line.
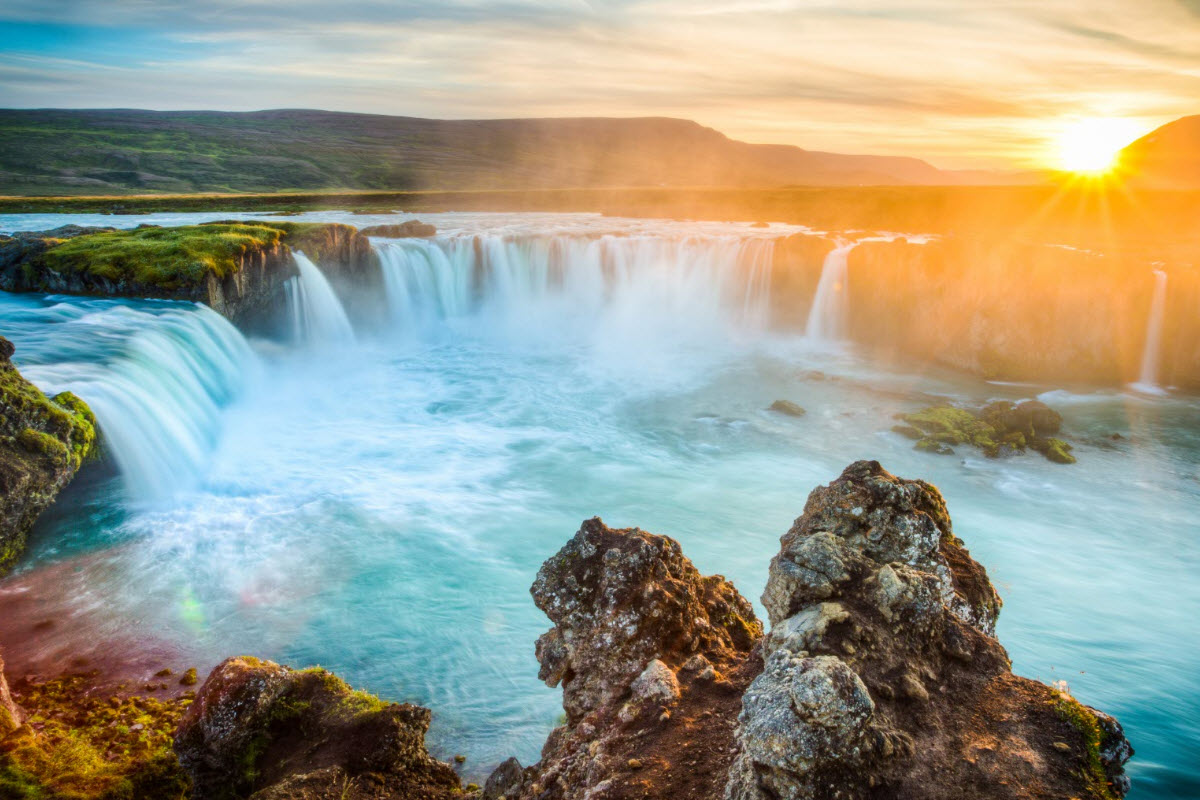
43	443
230	265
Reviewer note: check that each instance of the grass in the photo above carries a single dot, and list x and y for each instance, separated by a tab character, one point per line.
1084	721
168	258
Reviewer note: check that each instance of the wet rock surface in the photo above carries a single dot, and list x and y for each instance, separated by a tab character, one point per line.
882	675
258	729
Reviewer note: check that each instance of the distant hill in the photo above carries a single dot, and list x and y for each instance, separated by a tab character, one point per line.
1167	157
121	151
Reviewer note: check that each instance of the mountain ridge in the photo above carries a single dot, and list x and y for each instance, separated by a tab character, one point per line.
102	151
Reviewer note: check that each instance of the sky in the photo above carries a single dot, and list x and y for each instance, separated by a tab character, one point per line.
969	84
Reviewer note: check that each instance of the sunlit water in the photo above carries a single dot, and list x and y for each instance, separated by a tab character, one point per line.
380	506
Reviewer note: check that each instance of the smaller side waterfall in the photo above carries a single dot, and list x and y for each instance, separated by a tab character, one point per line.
156	376
1148	379
827	317
316	313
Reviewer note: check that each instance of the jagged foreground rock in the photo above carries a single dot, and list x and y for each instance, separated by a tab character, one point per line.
880	678
261	730
11	716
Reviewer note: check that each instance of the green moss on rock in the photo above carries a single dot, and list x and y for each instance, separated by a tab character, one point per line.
997	429
168	258
77	745
43	443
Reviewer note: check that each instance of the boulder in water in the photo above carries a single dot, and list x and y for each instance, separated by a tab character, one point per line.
260	728
788	408
998	429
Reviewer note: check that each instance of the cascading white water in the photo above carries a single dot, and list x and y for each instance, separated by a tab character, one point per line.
827	316
1148	379
640	286
157	393
317	316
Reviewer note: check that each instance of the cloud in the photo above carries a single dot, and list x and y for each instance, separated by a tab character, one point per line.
962	84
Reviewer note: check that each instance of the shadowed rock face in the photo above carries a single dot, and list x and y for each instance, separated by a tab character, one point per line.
882	677
260	729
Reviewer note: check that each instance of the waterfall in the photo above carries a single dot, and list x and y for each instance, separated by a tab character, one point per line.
316	313
156	376
1148	380
827	317
639	285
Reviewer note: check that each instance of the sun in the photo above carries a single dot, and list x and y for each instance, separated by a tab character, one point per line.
1091	146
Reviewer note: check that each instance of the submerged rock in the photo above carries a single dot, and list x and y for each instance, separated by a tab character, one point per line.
787	407
882	675
43	443
260	729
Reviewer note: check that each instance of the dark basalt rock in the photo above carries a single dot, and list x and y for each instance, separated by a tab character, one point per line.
260	729
882	675
43	443
409	229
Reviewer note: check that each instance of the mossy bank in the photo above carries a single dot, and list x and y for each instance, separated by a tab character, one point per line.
43	443
238	268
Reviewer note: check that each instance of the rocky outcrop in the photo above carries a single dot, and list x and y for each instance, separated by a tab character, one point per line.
43	443
652	657
405	230
882	676
258	729
238	268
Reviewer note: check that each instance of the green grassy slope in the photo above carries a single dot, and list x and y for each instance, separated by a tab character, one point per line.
46	152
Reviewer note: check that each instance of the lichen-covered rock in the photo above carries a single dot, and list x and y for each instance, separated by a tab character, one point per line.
263	730
883	677
652	657
622	598
43	443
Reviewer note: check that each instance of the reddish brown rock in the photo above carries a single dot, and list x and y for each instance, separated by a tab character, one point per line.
652	657
258	728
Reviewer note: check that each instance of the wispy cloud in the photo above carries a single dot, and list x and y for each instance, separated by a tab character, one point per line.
962	84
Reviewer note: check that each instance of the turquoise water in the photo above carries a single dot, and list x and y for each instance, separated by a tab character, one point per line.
380	506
